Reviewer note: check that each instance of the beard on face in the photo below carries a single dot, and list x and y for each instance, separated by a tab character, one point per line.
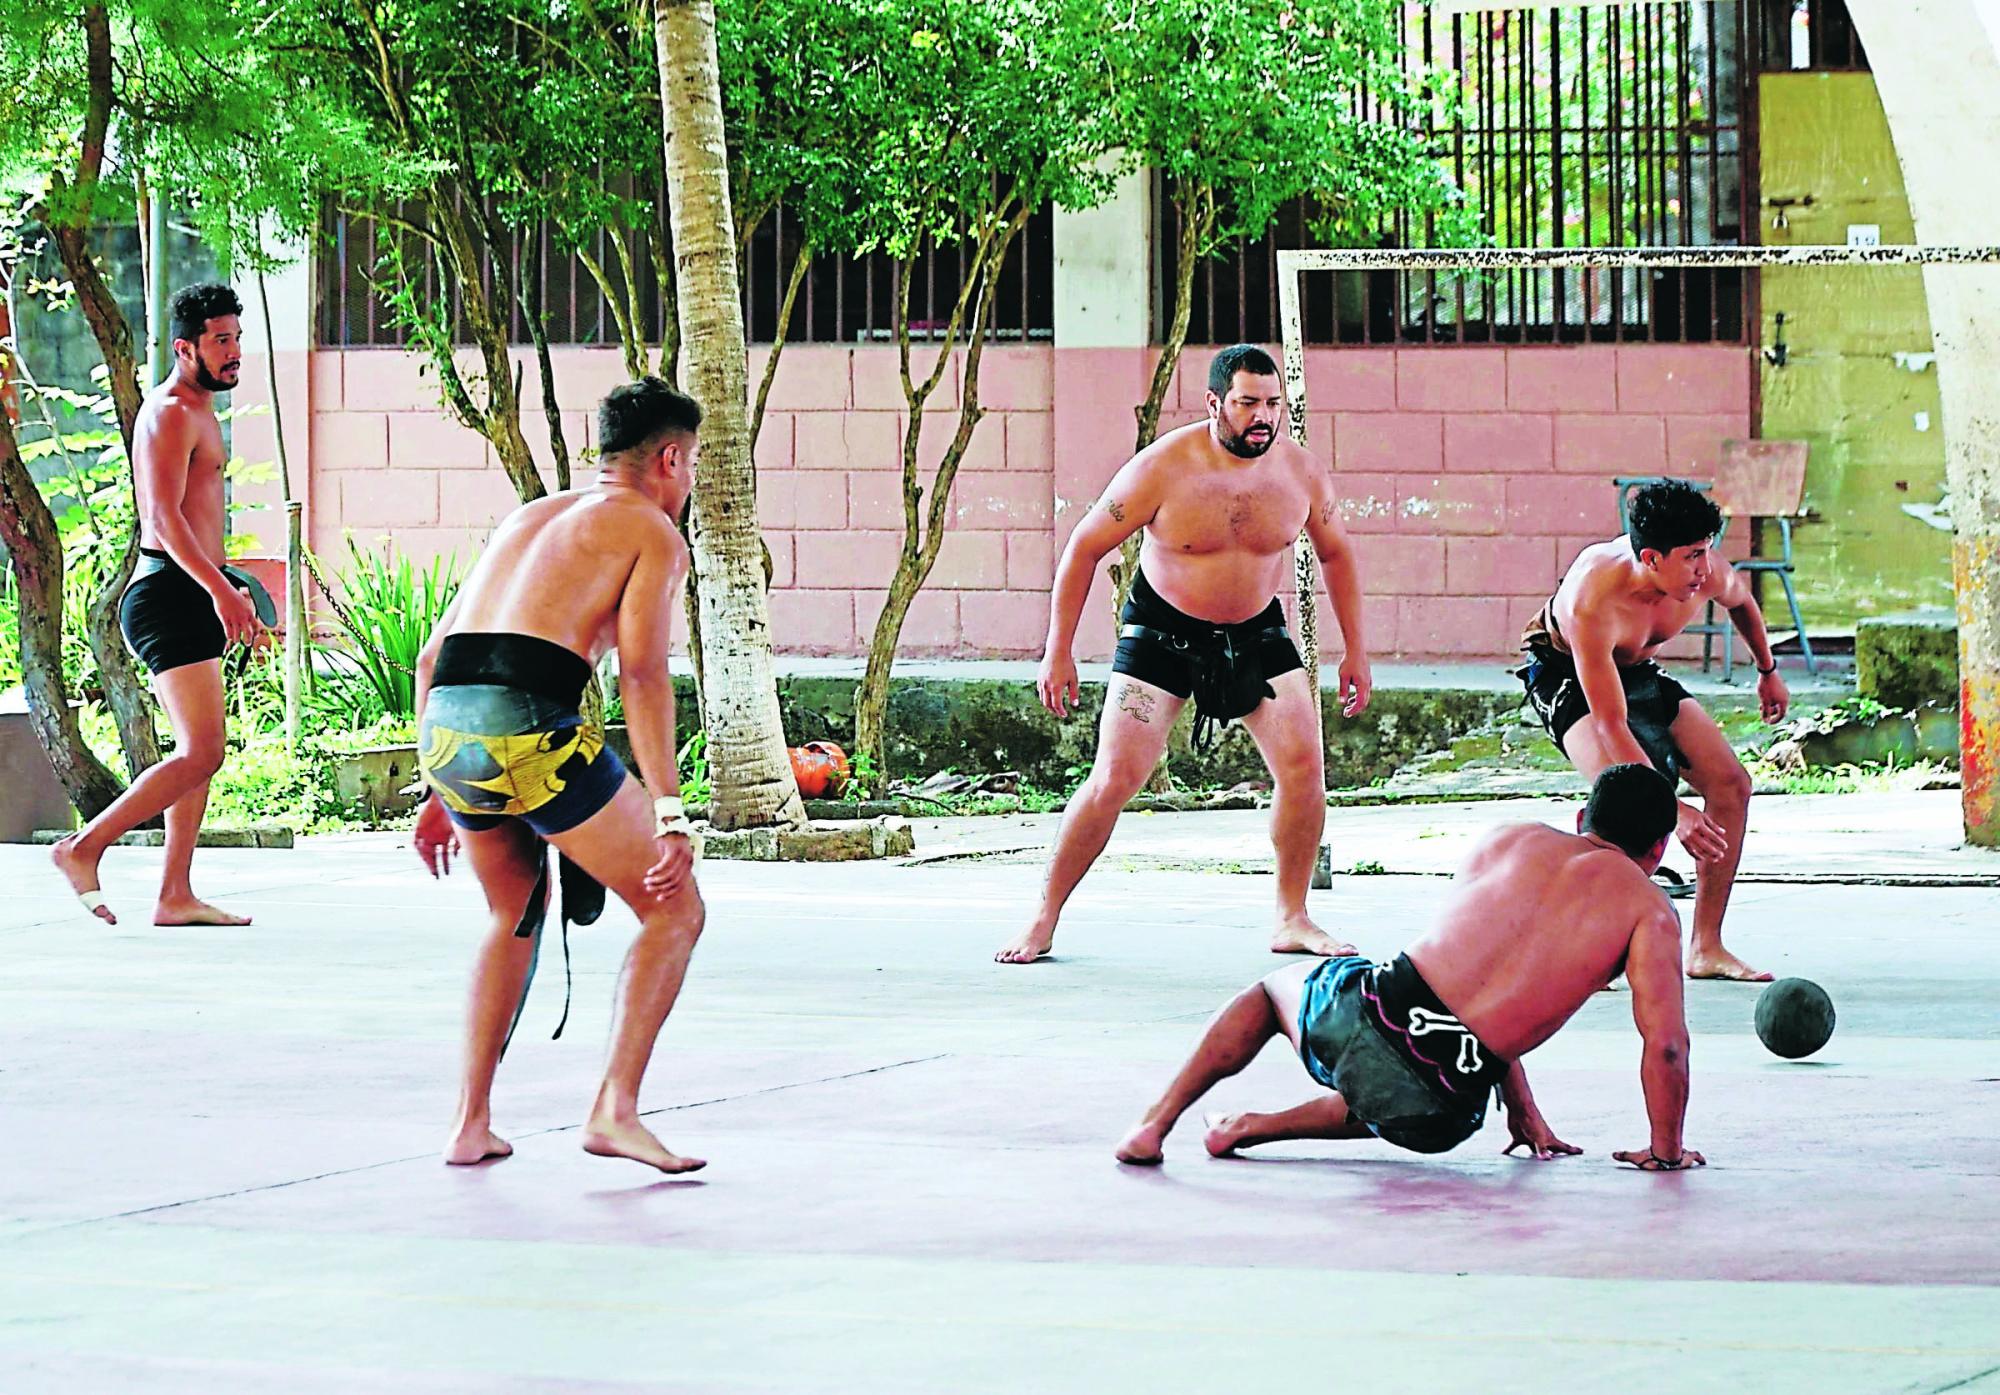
1247	446
210	382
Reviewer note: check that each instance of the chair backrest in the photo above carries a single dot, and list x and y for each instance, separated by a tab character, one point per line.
1761	479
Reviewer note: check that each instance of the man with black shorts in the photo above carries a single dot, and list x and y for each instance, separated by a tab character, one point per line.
515	762
1591	678
1221	503
1409	1050
185	605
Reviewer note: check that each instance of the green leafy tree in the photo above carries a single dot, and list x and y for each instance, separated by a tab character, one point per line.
975	114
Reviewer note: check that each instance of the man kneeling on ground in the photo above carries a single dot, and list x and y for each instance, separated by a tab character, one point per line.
1538	921
511	760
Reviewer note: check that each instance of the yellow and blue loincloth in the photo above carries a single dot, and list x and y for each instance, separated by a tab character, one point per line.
504	735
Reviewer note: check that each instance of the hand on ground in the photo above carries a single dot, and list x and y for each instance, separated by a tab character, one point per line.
1537	1137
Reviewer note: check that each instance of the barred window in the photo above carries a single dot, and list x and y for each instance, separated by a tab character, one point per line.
1810	36
842	299
1584	126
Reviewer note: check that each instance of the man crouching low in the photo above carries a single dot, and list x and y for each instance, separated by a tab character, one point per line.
512	761
1538	921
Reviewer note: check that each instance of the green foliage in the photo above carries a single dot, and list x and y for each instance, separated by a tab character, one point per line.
692	762
387	609
1249	106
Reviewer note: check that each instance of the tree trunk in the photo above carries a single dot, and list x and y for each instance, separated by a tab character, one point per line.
746	740
34	550
538	331
1195	206
124	692
924	539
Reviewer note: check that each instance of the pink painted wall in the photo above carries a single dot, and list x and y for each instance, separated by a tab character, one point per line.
1469	477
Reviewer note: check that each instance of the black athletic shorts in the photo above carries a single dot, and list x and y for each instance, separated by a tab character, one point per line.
167	618
1652	702
1225	668
1407	1068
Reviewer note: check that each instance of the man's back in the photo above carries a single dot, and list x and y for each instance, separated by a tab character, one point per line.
1538	921
557	569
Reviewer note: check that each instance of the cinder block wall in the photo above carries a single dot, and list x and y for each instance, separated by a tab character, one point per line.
1470	477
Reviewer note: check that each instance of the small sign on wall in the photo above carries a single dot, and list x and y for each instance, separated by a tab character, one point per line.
1864	234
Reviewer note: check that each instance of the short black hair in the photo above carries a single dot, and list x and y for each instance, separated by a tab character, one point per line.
631	415
1670	514
1237	358
1633	806
194	306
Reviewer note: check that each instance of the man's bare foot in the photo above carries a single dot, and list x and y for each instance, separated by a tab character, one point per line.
1723	964
1143	1147
81	874
476	1144
1300	936
1034	943
194	912
610	1138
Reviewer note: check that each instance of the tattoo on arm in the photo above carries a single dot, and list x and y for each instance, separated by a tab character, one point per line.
1115	509
1326	512
1138	702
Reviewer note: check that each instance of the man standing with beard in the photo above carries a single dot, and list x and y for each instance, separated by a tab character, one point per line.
1221	503
183	608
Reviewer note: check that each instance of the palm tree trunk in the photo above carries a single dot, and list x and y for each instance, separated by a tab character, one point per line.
746	740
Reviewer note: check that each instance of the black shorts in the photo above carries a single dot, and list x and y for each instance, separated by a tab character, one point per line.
167	618
1226	668
1652	702
1406	1068
504	737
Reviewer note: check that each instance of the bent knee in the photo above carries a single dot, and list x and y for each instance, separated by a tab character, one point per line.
1731	783
202	758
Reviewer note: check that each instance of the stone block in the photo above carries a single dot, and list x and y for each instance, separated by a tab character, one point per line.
376	779
1498	442
1396	565
819	841
1683	378
1367	502
820	501
387	380
985	500
388	498
1907	659
854	558
875	499
350	441
1007	622
1451	380
1694	443
1389	442
35	798
1031	561
1551	379
812	622
1626	444
847	441
1502	566
971	561
1351	380
810	378
430	441
1015	379
1543	506
1029	441
1452	504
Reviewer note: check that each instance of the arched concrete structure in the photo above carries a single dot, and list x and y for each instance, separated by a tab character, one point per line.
1938	71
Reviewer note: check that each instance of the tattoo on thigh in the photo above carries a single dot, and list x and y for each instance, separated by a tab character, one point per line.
1137	701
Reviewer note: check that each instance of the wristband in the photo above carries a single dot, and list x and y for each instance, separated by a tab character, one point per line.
668	827
670	816
1772	669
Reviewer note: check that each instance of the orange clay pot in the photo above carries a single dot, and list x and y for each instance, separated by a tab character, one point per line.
820	767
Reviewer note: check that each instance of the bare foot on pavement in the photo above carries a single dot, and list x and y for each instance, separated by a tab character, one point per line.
194	912
1031	944
475	1143
80	872
610	1138
1300	936
1724	965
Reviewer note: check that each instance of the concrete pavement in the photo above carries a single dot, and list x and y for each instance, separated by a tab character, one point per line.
220	1169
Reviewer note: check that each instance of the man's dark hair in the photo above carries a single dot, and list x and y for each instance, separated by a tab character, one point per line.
1237	358
1632	806
1670	514
194	306
632	415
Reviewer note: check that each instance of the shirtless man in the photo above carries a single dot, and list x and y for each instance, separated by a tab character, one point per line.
182	609
511	761
1537	922
1591	679
1221	502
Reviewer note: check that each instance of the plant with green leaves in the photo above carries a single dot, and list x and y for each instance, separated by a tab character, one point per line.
387	608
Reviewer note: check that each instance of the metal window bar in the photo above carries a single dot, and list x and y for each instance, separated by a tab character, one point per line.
1581	126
